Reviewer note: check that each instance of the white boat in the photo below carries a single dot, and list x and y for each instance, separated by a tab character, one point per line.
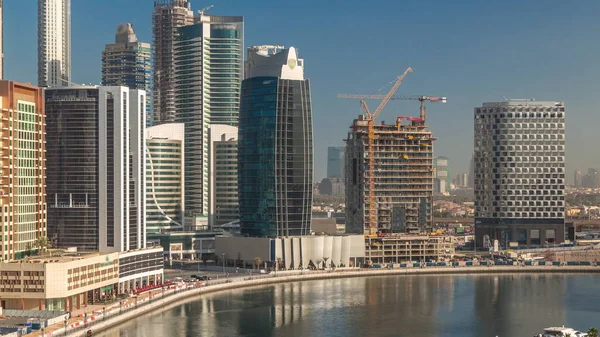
561	332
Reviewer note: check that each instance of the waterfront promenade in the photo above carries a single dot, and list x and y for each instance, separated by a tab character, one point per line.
160	299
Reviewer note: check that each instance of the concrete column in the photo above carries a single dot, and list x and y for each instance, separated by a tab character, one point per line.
78	301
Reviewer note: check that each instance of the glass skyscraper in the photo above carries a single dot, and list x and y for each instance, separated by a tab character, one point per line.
127	62
275	154
208	70
335	162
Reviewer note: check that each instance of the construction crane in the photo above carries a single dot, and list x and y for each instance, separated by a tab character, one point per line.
422	99
370	117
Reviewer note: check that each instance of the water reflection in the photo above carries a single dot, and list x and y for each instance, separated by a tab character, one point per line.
428	306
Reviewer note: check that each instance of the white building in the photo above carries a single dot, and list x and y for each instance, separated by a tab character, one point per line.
520	172
54	43
96	167
224	202
165	198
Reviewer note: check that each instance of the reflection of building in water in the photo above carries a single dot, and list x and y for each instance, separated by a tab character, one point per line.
501	310
416	300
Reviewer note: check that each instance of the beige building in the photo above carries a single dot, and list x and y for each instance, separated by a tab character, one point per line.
66	283
57	283
23	169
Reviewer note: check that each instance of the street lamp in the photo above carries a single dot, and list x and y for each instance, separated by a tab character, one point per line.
223	263
66	322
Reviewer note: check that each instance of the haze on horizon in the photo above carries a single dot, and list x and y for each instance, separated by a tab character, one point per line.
470	52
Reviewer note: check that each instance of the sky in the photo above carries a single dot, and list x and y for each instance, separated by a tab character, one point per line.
469	51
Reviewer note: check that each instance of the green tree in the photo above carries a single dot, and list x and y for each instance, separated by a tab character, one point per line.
42	244
592	332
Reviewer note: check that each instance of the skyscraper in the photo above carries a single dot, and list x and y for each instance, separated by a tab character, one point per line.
23	171
54	43
335	162
167	17
165	200
442	175
275	154
520	172
577	178
96	167
224	202
127	62
207	77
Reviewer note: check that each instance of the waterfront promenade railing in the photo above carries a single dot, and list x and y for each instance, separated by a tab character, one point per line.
83	326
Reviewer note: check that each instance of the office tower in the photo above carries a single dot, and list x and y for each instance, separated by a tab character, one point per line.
167	17
403	177
462	180
275	147
1	39
165	200
127	63
54	43
335	162
471	183
224	203
577	178
207	76
23	171
442	175
520	172
96	167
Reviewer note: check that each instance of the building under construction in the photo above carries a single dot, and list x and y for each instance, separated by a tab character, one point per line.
402	172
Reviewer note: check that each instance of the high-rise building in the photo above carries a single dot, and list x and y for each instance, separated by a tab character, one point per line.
462	179
1	39
403	177
23	170
335	162
224	202
207	77
96	167
577	178
471	183
167	17
127	63
54	43
442	175
165	199
520	172
275	147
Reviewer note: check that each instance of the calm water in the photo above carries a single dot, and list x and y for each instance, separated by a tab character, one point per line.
410	306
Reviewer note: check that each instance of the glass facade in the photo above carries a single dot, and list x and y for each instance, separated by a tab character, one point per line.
72	167
163	185
208	70
275	157
129	65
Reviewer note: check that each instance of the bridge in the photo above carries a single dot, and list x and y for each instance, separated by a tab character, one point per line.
577	221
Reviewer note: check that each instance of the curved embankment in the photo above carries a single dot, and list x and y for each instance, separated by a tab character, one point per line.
169	301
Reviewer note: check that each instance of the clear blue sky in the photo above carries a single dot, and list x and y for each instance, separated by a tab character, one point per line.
470	51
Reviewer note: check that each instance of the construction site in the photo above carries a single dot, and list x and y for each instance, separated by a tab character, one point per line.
389	182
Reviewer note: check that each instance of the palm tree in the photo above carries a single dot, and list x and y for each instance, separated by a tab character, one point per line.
593	332
257	262
278	266
42	244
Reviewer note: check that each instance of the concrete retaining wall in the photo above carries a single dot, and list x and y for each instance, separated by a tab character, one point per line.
190	295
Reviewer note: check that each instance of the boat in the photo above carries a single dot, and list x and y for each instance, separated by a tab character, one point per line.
561	332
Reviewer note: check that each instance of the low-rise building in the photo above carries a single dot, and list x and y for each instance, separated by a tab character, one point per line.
294	252
407	248
67	282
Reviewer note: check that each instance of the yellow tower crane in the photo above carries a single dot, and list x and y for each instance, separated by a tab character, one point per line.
370	117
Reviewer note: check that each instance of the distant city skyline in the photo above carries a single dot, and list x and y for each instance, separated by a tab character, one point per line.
473	50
